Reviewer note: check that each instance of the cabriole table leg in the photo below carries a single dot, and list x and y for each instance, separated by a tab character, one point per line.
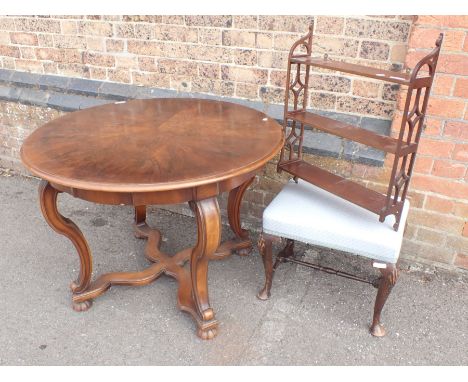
64	226
241	243
193	284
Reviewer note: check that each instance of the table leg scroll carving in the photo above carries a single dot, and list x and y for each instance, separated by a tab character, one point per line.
241	243
193	286
64	226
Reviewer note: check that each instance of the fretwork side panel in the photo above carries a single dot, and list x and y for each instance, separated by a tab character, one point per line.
412	124
296	94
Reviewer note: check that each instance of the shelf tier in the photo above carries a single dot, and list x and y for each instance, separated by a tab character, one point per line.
346	189
357	134
361	70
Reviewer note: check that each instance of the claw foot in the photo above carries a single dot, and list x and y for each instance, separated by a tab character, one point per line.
377	330
82	306
207	333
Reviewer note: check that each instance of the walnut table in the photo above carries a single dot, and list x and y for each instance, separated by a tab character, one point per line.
147	152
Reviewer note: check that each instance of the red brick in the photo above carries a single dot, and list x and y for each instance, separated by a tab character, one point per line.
461	209
436	148
448	169
444	21
460	152
436	221
437	204
453	40
433	127
445	107
416	199
458	243
443	85
442	186
423	165
413	57
424	38
452	64
430	236
396	123
461	87
427	252
410	231
455	129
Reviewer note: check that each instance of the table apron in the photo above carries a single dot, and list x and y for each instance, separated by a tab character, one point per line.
157	197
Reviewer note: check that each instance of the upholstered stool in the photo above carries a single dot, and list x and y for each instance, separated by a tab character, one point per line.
304	212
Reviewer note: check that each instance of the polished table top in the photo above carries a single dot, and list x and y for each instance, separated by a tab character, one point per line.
152	145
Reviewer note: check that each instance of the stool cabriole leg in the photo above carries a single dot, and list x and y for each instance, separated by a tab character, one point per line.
388	279
265	249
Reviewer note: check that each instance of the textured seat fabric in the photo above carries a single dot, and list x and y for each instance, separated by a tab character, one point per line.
309	214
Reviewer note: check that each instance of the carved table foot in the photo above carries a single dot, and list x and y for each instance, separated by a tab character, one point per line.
82	306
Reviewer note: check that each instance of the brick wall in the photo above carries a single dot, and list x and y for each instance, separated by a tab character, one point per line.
235	56
243	57
438	227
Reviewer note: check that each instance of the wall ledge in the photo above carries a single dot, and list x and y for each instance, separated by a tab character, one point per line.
71	94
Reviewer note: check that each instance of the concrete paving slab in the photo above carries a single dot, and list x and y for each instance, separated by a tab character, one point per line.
312	318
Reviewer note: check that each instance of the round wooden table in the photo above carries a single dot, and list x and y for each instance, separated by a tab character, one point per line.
149	152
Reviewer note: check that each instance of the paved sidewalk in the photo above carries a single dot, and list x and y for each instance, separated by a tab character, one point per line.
312	318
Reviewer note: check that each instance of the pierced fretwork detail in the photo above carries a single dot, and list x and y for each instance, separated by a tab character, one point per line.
412	124
297	80
293	141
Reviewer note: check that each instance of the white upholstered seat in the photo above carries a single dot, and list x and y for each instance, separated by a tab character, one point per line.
312	215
